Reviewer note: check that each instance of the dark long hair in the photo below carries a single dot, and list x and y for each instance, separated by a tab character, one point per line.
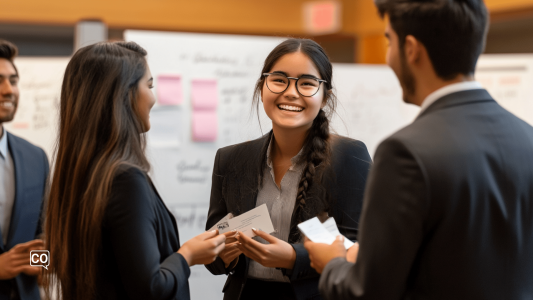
98	131
316	148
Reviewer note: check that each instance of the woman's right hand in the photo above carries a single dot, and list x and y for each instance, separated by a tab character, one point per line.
231	252
203	248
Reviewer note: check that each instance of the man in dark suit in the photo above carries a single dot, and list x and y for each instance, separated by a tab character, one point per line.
23	174
448	208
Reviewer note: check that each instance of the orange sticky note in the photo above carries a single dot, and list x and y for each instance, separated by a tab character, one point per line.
204	94
169	90
204	126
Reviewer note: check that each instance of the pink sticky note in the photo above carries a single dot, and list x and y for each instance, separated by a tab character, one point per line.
204	94
169	90
204	126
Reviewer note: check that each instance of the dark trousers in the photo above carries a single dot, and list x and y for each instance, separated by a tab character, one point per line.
267	290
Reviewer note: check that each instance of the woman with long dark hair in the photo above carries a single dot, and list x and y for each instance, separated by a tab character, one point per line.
109	234
299	170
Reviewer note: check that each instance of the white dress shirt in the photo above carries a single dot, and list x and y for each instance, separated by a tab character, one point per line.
280	202
7	186
449	89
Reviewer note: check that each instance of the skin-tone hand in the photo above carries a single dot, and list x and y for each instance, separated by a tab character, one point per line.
351	254
321	254
230	254
17	260
276	254
203	248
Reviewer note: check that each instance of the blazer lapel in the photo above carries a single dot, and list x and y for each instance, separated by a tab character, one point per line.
241	175
172	218
458	98
18	206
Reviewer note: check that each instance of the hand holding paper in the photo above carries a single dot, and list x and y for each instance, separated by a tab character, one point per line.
230	254
275	254
321	254
324	242
322	232
256	218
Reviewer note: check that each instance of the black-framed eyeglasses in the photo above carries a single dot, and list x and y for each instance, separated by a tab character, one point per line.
278	83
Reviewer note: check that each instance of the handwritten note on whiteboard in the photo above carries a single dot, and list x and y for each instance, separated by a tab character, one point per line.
169	90
204	94
204	126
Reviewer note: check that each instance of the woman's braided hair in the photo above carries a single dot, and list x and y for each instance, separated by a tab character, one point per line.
316	149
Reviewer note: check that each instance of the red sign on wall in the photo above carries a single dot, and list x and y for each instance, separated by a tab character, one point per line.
322	17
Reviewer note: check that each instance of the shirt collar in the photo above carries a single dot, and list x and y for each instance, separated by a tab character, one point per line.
449	89
3	144
294	167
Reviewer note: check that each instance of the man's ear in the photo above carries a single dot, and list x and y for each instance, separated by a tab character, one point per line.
412	49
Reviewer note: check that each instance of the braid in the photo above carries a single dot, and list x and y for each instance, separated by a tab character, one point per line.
316	151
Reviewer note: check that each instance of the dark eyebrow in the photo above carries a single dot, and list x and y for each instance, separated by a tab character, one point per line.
280	72
308	75
301	75
9	76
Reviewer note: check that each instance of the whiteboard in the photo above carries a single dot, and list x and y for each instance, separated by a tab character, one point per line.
370	109
36	118
509	79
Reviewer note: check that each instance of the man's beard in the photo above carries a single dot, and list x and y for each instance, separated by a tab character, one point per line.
9	117
407	80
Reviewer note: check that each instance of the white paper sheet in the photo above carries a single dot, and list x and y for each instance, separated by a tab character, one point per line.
322	232
257	218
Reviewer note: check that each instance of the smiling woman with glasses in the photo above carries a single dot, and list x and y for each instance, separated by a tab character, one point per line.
299	170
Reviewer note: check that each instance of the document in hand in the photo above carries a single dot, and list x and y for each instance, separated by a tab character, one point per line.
257	218
322	232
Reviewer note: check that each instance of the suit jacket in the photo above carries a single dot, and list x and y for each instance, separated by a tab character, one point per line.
236	184
139	243
448	212
31	173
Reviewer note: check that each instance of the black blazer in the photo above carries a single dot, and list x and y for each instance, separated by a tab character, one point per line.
448	210
31	173
139	243
236	184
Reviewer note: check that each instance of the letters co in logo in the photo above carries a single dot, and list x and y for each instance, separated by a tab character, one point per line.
40	258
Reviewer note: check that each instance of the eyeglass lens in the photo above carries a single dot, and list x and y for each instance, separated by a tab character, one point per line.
278	83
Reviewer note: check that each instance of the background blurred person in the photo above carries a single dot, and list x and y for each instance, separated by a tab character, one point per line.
109	233
299	170
448	211
23	173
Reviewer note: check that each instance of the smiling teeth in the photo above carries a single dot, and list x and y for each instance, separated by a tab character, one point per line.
7	103
291	108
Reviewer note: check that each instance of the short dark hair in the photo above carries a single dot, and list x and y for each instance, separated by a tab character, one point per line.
8	51
453	31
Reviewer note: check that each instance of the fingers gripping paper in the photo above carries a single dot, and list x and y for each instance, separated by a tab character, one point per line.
322	232
257	218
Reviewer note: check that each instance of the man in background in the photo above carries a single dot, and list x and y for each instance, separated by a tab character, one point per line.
23	174
448	209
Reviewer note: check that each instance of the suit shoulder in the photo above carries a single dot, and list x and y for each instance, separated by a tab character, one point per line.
22	144
129	173
130	185
342	145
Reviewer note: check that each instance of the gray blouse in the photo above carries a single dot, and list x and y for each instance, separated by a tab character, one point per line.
280	202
